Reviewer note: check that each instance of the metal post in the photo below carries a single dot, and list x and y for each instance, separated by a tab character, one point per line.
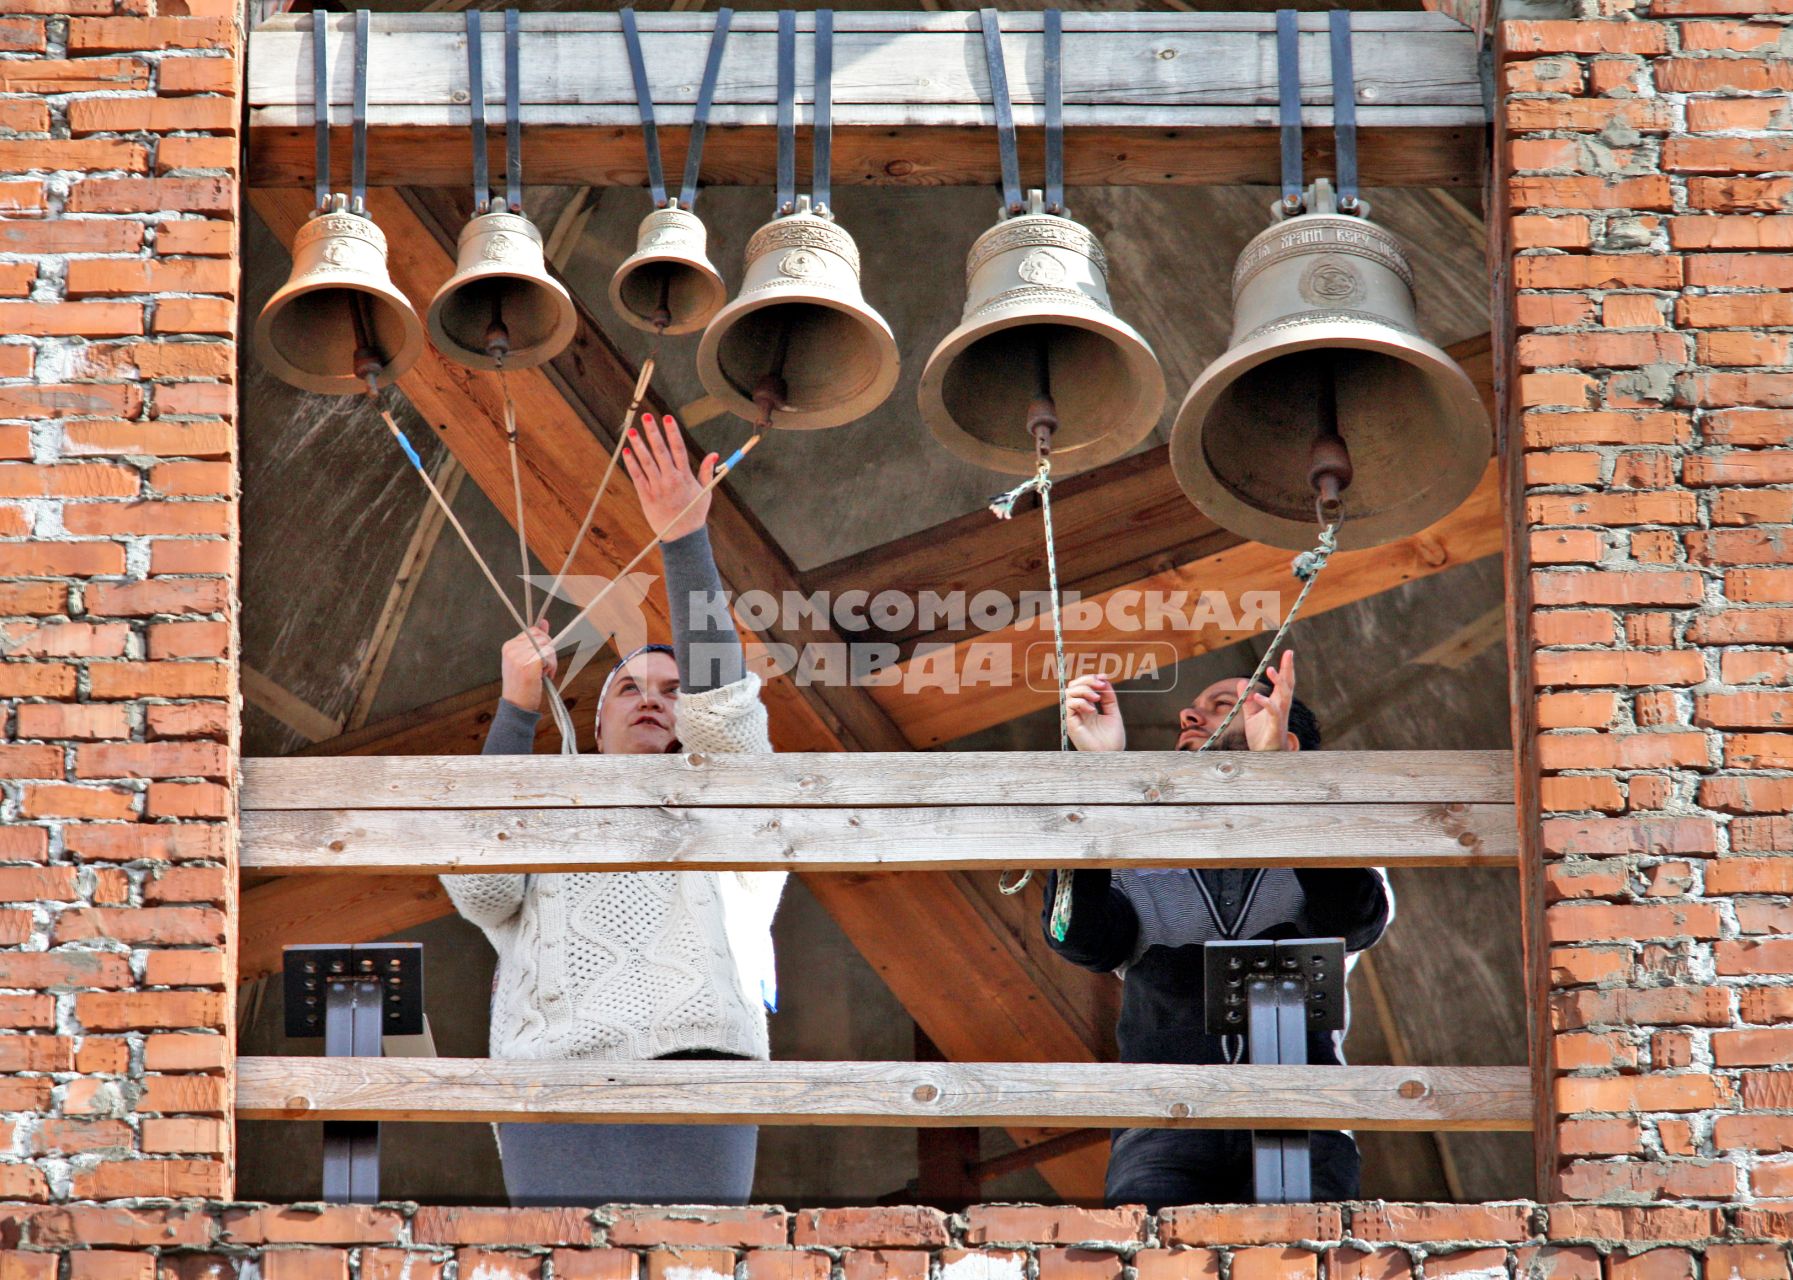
352	1147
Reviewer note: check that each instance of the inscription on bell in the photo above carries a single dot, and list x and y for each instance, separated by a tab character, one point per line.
1330	281
1040	267
337	253
499	246
800	264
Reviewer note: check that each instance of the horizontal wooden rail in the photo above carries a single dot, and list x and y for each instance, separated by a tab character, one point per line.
1076	1094
878	779
1150	98
857	812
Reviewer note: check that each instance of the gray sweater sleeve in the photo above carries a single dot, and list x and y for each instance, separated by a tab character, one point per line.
704	639
512	732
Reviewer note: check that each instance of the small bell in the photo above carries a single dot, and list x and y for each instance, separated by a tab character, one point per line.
1328	394
668	284
799	343
501	301
338	319
1038	327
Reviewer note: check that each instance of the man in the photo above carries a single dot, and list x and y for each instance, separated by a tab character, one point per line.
631	966
1149	927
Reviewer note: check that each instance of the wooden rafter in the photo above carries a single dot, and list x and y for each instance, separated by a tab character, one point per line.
1150	98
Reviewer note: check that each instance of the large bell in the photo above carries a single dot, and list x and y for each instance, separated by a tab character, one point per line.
668	284
338	319
1038	327
1328	390
501	301
799	344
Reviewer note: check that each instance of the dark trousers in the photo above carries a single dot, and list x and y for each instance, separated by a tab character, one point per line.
1159	1167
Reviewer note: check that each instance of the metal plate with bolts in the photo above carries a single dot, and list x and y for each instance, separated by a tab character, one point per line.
309	971
1230	967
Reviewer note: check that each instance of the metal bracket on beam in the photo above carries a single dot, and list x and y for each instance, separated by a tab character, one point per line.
1274	994
353	996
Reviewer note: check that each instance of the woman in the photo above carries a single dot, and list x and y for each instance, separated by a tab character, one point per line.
629	966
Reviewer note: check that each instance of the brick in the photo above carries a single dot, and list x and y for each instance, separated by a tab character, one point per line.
1740	546
101	803
1746	1262
86	721
1652	1264
1271	1263
1006	1224
153	115
1619	750
306	1264
1670	667
1422	1222
1636	1223
709	1264
185	1052
1557	430
1617	588
469	1226
120	35
1741	270
409	1264
1669	1006
1533	231
98	276
163	926
152	195
1710	231
1359	1264
144	1010
160	1179
1476	1264
158	680
327	1224
156	438
164	842
1600	350
907	1226
887	1264
798	1264
1597	271
1075	1264
152	760
1636	1093
1668	507
107	1226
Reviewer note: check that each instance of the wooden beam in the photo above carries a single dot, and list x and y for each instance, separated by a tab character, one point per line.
267	694
286	912
963	838
1150	98
1068	1094
1007	673
1020	780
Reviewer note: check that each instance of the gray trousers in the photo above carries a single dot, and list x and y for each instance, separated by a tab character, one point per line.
584	1165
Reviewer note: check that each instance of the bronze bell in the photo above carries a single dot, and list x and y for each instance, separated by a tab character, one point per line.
1038	328
338	320
799	344
1328	394
668	284
501	301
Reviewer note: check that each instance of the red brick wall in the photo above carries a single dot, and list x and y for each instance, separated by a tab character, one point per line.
118	277
1652	348
988	1242
1651	320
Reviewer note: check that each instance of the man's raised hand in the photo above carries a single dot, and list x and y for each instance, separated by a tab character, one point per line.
657	461
1093	715
1266	715
521	663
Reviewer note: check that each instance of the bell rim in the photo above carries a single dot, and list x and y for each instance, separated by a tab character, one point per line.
1213	499
931	400
715	285
709	366
566	321
261	339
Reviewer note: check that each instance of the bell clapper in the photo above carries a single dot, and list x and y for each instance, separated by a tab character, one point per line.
369	364
1329	460
770	393
1042	412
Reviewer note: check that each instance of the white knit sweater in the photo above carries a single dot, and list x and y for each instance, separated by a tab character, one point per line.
626	966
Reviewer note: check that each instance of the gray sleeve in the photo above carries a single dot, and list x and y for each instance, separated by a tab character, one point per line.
704	639
512	732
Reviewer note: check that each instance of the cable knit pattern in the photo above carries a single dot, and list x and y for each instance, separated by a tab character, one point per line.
627	966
